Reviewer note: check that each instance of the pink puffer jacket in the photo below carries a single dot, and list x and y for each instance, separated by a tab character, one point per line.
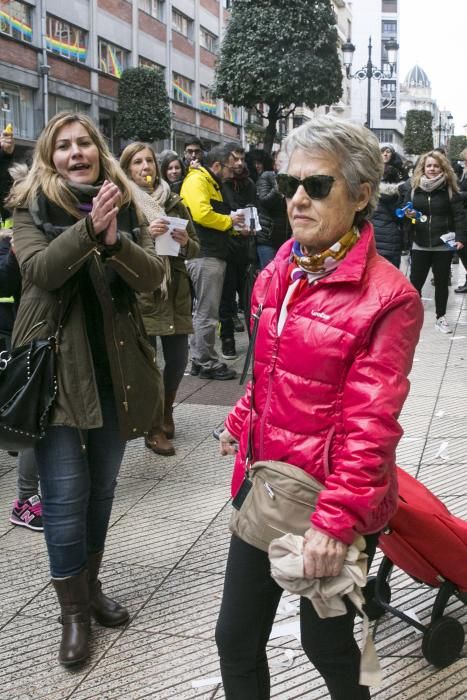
329	390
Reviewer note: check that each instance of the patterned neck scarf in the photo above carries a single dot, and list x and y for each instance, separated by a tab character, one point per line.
320	264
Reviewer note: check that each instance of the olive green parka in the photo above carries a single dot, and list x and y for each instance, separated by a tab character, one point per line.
171	315
48	266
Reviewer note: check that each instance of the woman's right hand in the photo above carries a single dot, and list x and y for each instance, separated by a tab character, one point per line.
227	443
105	206
158	227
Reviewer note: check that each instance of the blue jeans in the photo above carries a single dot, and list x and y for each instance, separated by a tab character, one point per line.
77	487
265	254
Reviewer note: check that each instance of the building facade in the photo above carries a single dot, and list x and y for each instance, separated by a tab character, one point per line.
378	19
416	93
57	55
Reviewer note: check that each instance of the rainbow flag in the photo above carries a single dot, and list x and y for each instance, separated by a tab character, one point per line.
232	114
180	93
208	106
70	50
117	67
15	23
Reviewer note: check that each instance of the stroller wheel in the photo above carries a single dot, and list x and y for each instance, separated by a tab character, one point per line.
443	641
372	607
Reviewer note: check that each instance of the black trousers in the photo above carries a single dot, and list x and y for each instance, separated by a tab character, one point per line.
462	253
249	605
234	281
440	262
175	352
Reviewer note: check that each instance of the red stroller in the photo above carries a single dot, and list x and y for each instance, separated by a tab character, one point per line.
430	544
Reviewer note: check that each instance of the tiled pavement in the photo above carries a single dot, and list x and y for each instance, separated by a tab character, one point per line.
167	547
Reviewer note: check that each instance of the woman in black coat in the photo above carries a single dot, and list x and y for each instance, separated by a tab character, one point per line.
387	226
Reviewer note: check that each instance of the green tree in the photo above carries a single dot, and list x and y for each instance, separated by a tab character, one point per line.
143	105
418	136
456	146
280	55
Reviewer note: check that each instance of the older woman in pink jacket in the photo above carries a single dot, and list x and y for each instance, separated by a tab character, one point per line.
336	338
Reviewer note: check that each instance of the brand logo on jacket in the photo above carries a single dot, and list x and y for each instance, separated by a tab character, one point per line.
320	314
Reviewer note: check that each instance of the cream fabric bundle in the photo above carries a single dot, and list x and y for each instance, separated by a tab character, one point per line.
326	594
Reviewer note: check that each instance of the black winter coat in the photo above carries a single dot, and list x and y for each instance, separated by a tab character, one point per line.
238	193
387	227
445	213
272	212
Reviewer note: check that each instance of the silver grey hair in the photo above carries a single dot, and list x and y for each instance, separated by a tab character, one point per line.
356	149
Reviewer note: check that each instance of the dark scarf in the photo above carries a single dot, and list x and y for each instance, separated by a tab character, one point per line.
53	219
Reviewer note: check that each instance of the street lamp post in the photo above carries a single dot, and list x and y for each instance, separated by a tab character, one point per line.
444	127
370	71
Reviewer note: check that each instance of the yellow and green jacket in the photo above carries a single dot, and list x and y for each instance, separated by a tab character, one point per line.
201	193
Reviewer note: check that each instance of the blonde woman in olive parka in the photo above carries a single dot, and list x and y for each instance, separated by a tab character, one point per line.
167	311
83	255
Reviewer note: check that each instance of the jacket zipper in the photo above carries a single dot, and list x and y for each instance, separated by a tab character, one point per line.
132	272
83	257
31	332
429	218
122	378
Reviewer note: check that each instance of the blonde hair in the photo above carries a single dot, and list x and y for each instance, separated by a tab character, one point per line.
444	164
44	177
162	189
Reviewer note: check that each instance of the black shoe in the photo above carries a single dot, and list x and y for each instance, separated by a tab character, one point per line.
237	324
221	372
462	289
228	349
195	368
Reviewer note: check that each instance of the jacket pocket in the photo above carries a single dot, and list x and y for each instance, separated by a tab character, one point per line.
327	451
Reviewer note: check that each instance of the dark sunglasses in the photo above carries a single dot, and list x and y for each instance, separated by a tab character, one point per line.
316	186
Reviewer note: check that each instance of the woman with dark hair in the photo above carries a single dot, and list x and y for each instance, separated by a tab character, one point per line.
272	212
258	161
173	171
166	311
391	157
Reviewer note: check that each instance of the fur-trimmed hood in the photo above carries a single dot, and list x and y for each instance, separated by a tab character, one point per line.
389	189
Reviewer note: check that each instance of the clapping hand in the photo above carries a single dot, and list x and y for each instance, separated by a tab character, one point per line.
104	212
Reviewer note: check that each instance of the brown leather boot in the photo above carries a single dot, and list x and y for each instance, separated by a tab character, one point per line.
168	425
158	443
73	596
104	610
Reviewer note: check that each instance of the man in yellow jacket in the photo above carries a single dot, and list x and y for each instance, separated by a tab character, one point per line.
202	194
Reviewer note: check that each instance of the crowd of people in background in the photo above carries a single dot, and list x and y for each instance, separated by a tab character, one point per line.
82	201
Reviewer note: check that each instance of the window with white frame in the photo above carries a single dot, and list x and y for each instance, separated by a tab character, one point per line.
182	24
66	40
207	40
182	89
57	104
208	102
155	8
16	108
112	59
15	19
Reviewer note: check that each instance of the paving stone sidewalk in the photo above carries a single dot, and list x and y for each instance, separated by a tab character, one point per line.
167	547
